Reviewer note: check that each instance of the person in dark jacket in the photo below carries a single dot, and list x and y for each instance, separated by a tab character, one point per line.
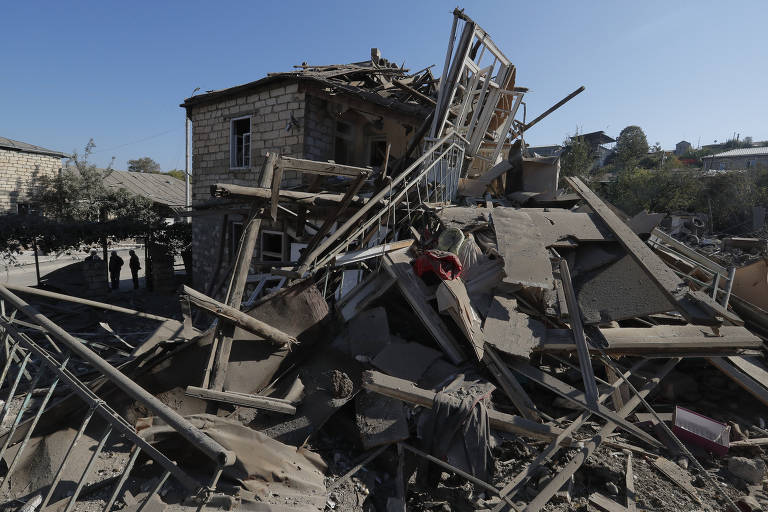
115	264
134	266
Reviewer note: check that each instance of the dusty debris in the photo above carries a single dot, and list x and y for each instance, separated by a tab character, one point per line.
450	332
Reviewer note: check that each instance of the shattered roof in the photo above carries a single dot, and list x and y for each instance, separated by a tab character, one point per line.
377	81
16	145
741	152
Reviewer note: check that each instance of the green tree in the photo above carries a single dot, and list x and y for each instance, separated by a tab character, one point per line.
631	146
577	157
144	164
78	193
176	173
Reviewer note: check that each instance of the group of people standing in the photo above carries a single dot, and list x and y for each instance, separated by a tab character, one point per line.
116	264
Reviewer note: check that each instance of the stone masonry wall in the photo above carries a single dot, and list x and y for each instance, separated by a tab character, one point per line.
277	124
20	174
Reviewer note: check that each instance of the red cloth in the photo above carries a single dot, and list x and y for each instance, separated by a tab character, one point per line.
445	264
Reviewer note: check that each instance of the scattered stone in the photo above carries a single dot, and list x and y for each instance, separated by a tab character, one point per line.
341	385
751	470
682	462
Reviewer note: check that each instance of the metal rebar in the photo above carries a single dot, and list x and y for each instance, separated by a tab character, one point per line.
91	462
181	425
12	392
59	471
154	490
123	479
20	414
31	428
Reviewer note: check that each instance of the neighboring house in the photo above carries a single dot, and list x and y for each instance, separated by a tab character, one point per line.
736	159
682	147
596	140
21	167
553	150
163	190
328	113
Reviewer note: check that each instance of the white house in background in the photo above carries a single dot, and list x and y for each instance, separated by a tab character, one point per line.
737	159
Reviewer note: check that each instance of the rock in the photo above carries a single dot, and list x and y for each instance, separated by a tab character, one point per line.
612	489
341	385
682	462
748	504
751	470
699	482
736	433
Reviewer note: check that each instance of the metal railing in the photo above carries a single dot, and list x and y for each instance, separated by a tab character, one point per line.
26	358
432	177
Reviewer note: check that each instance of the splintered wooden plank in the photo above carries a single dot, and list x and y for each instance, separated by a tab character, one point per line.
659	339
452	298
526	259
407	391
324	168
591	445
678	476
605	503
630	483
510	385
243	399
664	277
510	331
574	395
413	289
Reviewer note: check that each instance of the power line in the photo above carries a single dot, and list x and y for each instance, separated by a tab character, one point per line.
135	142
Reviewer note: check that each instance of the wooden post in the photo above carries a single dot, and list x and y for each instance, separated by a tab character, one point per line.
37	262
237	283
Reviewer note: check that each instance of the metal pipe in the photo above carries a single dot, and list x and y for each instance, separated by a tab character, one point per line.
207	445
554	107
86	302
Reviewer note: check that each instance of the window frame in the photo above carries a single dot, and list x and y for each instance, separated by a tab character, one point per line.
272	254
233	144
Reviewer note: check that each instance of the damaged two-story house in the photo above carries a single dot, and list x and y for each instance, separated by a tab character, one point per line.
349	114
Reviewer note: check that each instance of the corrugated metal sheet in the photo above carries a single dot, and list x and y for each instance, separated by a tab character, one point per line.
741	152
28	148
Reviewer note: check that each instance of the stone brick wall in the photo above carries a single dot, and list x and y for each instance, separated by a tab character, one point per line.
277	124
318	130
20	174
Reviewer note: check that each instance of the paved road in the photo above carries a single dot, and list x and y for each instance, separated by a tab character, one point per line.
25	275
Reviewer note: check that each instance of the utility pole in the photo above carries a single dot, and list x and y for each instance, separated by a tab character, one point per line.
188	161
187	166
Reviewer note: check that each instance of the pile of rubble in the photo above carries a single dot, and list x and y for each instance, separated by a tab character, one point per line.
504	345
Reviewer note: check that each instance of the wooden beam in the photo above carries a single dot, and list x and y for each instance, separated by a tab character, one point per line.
658	339
311	253
577	397
237	317
510	385
398	265
664	277
322	168
574	314
629	482
243	399
77	300
590	446
745	381
265	193
407	391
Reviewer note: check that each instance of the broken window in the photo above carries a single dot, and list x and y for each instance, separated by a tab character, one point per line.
24	209
240	140
235	232
272	243
377	150
343	143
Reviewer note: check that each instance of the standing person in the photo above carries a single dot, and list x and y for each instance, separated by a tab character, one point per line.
115	264
135	266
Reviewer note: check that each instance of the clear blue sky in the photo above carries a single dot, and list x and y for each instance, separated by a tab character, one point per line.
117	71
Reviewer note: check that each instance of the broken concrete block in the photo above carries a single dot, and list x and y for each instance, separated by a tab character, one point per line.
369	332
751	470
